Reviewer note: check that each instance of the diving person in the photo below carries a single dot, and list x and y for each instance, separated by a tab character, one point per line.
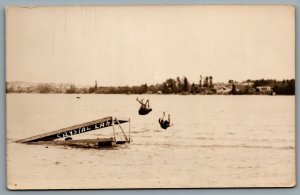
164	123
145	107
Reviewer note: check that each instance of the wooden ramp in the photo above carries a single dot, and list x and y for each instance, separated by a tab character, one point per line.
74	130
86	143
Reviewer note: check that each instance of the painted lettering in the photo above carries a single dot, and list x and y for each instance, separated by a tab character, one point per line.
86	128
65	134
101	125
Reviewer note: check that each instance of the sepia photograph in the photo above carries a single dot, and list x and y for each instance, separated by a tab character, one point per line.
150	96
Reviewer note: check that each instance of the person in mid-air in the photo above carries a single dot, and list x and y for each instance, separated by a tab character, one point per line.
164	123
145	107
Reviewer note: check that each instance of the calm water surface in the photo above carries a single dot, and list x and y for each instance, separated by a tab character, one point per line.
216	141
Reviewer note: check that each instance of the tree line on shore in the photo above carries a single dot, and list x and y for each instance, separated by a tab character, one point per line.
284	87
178	85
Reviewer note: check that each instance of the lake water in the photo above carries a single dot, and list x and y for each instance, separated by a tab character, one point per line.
216	141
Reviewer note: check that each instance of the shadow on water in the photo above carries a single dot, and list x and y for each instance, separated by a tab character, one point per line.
84	147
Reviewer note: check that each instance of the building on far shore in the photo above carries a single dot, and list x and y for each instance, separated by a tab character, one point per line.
223	90
264	89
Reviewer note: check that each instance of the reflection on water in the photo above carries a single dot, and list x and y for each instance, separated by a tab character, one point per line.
216	141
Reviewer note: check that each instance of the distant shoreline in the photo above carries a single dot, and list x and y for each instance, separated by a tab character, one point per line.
152	94
179	86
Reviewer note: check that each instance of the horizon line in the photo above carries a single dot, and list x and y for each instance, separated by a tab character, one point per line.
143	83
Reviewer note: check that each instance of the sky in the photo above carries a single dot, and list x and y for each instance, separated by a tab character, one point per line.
132	45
